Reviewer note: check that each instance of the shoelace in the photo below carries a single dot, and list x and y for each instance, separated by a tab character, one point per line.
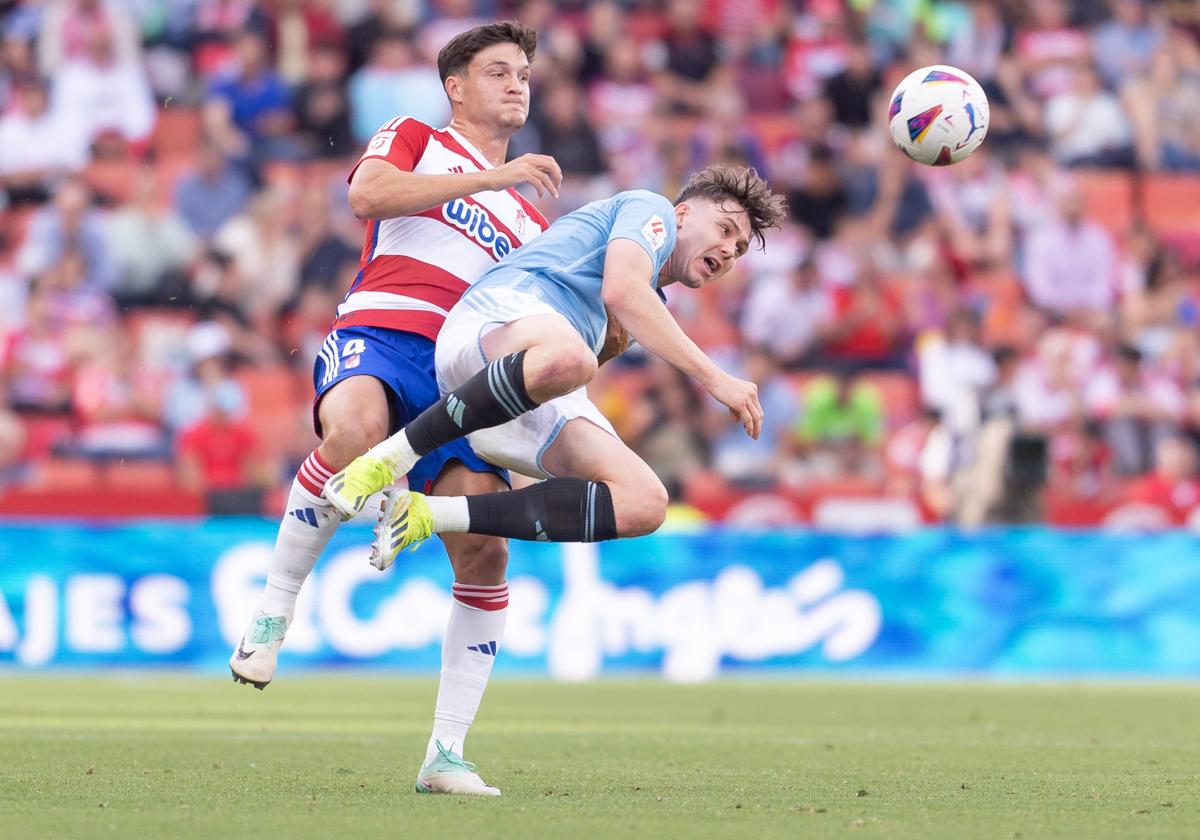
269	628
454	759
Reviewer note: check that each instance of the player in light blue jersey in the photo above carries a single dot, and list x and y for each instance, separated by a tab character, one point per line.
518	349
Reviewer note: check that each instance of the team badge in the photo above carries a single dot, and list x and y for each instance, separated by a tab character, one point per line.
655	232
352	362
522	218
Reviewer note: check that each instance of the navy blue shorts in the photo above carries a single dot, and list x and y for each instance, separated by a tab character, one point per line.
403	362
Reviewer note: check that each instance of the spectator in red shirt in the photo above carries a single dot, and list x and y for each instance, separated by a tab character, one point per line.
866	324
219	457
1173	484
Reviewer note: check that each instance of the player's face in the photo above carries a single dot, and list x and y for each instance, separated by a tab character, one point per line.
710	239
495	89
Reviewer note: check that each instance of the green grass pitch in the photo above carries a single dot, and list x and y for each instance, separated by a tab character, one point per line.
335	756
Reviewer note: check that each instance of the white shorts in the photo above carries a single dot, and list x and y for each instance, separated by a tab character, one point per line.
519	444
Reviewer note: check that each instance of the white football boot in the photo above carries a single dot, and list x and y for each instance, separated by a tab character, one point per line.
448	773
253	662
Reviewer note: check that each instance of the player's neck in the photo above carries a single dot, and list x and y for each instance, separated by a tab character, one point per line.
494	147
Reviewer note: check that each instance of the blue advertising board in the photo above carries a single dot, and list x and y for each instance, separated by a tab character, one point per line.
1034	602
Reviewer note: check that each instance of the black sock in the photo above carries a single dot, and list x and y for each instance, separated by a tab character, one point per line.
554	510
493	396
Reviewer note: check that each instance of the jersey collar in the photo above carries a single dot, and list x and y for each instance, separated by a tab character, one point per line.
480	158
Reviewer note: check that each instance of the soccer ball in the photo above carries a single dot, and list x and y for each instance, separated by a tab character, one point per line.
938	115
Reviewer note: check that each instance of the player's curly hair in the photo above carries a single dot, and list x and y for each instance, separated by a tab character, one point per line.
457	54
723	182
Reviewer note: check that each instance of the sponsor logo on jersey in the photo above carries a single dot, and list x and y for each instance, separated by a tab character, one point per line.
655	232
474	222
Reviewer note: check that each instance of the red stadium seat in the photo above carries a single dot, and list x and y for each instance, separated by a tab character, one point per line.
113	179
1108	197
177	132
270	390
1171	203
43	431
143	476
66	474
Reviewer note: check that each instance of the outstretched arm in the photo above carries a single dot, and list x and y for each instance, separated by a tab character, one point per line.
628	295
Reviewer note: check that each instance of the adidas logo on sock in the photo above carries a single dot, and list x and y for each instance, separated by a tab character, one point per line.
455	408
308	515
487	648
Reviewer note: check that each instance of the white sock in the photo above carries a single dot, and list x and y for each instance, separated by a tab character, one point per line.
450	514
469	650
397	451
308	524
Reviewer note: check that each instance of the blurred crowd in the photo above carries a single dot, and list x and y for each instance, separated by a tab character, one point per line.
980	338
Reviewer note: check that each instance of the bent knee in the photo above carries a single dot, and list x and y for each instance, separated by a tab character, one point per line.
477	559
564	370
642	511
346	439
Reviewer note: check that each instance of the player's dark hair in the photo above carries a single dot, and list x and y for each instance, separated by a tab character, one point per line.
743	185
456	55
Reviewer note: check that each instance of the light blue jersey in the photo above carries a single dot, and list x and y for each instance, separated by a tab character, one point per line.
564	267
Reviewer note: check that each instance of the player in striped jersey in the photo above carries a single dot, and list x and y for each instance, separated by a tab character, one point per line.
441	210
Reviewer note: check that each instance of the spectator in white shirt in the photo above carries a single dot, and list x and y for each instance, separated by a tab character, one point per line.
37	144
953	368
787	316
1087	125
107	95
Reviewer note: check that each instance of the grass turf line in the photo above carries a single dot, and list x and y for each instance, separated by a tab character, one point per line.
336	757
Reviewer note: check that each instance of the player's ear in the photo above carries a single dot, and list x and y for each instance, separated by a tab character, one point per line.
453	88
681	210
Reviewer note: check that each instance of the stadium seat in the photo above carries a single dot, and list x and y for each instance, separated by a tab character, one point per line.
1171	202
65	474
270	390
774	130
1001	315
177	132
42	432
14	223
112	179
1108	197
144	476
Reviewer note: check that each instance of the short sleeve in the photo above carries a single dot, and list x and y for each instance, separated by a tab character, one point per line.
400	142
649	220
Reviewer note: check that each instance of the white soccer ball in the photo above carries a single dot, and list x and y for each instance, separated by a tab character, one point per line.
938	115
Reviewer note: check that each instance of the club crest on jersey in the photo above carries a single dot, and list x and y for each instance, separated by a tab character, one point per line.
522	218
655	232
474	222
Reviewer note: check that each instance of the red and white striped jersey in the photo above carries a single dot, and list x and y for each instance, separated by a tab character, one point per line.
414	268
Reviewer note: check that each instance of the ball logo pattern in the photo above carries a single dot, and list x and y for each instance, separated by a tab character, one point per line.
938	115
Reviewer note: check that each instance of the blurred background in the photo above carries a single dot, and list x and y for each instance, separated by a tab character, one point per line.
1009	341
